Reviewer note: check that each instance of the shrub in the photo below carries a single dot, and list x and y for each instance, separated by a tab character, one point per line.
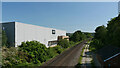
9	56
31	53
37	52
58	49
71	43
95	45
64	43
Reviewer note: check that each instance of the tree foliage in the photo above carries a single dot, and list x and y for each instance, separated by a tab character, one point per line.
109	35
64	43
30	53
89	35
113	33
77	36
38	52
100	33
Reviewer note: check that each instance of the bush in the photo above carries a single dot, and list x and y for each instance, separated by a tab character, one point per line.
51	52
71	43
10	56
37	52
59	49
31	53
95	45
64	43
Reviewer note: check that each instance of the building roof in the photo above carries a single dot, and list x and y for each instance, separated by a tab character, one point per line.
31	25
108	52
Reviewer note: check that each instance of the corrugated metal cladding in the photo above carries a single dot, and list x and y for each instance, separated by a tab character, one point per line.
20	32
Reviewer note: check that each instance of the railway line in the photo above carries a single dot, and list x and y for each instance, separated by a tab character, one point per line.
68	58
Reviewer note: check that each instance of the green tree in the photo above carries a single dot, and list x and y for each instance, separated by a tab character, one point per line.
107	35
99	38
77	36
37	51
96	44
113	33
64	43
100	33
88	35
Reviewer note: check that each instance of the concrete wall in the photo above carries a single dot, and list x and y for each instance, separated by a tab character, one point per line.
10	32
27	32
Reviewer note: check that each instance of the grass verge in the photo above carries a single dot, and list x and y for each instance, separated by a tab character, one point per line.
80	59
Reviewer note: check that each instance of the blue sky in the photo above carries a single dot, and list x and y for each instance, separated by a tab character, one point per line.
69	16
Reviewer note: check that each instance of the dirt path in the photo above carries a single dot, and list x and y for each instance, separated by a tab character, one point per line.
69	58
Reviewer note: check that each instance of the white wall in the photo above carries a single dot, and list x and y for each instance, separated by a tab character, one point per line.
27	32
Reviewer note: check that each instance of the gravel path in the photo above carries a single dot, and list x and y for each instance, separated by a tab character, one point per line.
86	58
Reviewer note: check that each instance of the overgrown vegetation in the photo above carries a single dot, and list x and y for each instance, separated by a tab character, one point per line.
33	53
64	43
78	36
107	35
29	53
80	59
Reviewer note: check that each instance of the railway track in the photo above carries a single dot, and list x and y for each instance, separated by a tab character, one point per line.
68	58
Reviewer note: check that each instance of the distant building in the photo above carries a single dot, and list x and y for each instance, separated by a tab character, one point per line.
20	32
63	37
109	57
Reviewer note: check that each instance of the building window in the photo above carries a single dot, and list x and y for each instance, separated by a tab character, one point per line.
53	31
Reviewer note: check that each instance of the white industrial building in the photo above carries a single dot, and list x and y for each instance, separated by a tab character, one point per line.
20	32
